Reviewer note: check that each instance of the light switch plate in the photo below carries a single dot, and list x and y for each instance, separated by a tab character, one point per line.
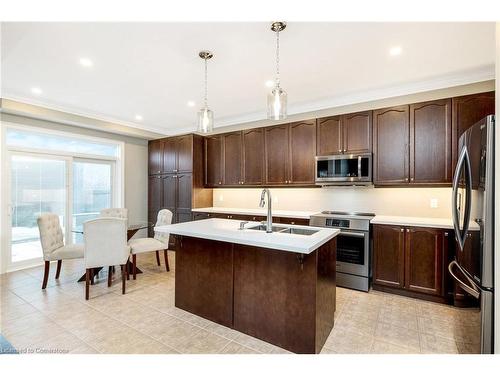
434	203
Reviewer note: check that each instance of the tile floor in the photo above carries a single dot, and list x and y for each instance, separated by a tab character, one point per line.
144	320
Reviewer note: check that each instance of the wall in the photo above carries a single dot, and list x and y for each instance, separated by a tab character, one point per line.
497	201
382	201
135	162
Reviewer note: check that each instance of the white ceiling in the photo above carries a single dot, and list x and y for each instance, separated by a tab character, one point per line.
153	69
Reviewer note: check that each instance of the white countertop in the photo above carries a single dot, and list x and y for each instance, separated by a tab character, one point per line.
227	231
427	222
256	211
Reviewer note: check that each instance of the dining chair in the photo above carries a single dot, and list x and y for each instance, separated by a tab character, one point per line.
53	247
158	243
121	213
105	244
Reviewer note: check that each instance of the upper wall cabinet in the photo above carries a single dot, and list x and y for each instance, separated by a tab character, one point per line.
177	154
467	110
213	161
346	134
302	149
276	155
253	156
232	151
391	129
430	142
155	157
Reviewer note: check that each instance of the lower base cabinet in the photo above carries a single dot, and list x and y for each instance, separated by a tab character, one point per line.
276	220
411	261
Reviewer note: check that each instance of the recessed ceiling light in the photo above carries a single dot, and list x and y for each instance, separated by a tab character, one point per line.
269	83
138	117
191	103
86	62
36	90
395	51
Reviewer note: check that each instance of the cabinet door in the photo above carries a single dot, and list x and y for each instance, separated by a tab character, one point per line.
253	157
276	151
329	136
390	146
169	191
169	153
184	191
424	260
291	220
155	193
213	161
232	158
388	255
155	157
302	149
357	129
467	110
184	145
430	142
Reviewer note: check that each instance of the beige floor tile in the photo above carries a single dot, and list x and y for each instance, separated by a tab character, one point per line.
430	344
84	349
254	343
468	348
327	351
221	330
235	348
357	322
175	332
382	347
399	316
349	342
203	342
398	336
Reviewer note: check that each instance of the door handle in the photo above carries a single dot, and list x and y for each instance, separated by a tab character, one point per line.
473	290
463	160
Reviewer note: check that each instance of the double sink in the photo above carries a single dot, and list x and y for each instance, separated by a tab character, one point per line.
288	230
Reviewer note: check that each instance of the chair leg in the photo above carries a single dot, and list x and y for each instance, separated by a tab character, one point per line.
124	277
157	257
91	276
58	271
110	274
46	274
165	255
127	265
87	281
134	266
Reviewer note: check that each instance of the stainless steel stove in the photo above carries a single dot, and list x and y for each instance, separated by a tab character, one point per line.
353	246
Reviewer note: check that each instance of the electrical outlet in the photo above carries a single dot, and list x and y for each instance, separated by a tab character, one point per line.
434	203
221	198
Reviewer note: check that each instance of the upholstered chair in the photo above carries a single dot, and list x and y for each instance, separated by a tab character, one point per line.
121	213
105	244
158	243
53	246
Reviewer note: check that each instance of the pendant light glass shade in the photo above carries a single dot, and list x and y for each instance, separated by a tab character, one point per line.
276	99
276	104
205	120
205	115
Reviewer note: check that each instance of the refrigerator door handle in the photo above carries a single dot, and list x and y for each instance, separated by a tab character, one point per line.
472	289
463	160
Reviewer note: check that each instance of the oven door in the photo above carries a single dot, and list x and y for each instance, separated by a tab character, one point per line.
353	250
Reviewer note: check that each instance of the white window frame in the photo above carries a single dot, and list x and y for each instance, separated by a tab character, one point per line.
118	182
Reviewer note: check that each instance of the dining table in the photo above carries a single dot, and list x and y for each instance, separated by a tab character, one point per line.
132	229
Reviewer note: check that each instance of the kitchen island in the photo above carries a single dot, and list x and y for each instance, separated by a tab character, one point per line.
278	287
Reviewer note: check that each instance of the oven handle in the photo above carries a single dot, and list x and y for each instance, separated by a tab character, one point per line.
352	234
472	289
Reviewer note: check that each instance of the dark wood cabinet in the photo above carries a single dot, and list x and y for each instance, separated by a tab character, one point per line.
425	256
411	261
276	155
357	132
346	134
302	149
232	158
253	156
181	189
213	161
155	157
329	136
467	110
391	130
388	255
430	142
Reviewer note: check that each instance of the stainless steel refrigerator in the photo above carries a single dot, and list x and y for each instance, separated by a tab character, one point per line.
473	217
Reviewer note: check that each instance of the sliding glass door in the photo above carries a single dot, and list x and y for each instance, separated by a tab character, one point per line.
92	191
38	184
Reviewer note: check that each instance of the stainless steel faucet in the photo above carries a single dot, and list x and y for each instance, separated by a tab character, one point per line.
269	224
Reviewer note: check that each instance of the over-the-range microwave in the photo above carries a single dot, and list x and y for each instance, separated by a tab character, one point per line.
347	169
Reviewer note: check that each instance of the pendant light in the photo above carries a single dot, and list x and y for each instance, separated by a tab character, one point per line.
276	99
205	115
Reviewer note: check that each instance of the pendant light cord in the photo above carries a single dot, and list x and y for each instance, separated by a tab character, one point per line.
206	84
277	58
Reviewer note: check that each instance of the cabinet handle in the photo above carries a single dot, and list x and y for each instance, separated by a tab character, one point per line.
407	179
402	229
340	150
407	231
344	151
175	170
220	182
292	222
446	234
412	178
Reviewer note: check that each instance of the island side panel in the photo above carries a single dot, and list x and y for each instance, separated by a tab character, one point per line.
204	279
326	292
275	297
